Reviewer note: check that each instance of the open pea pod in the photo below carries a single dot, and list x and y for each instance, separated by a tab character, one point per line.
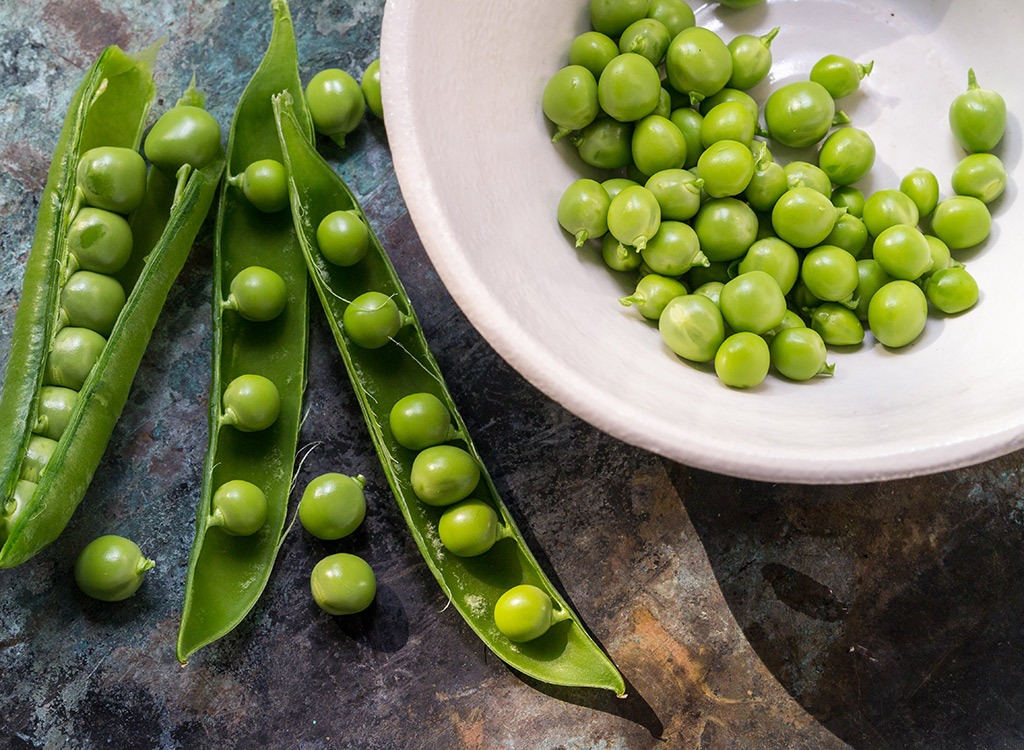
227	571
565	654
44	472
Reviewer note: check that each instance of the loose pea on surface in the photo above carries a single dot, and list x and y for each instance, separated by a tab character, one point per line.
251	403
743	360
111	568
343	238
372	319
673	250
751	58
840	75
657	144
799	114
922	187
726	166
777	258
837	324
648	37
444	474
606	143
952	290
961	221
803	217
799	353
336	103
611	17
238	507
830	274
112	178
570	99
977	117
619	257
420	420
675	14
523	613
847	155
897	313
752	302
333	505
593	50
980	176
370	84
678	193
343	584
469	528
887	207
258	294
903	252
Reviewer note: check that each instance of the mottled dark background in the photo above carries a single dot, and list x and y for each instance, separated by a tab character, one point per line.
744	615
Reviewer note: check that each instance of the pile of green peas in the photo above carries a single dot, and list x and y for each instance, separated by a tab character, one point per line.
744	262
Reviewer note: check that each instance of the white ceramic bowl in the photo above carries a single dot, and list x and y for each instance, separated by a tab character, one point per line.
462	84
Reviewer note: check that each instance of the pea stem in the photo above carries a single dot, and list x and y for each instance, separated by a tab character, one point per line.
767	39
143	565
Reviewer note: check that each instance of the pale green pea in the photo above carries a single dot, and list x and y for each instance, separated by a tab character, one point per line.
980	176
653	292
922	187
837	324
583	210
692	326
678	193
634	216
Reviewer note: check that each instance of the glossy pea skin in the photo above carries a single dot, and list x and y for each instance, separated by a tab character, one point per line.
615	185
849	199
726	167
264	185
980	176
698	63
443	475
74	353
676	15
372	319
729	120
941	256
897	313
752	302
343	584
342	238
743	360
653	292
629	88
673	250
53	411
634	216
887	207
336	103
523	613
799	114
689	121
692	326
870	278
751	58
952	290
800	173
839	75
961	221
593	50
570	99
837	324
799	353
612	17
726	228
606	143
469	528
977	117
333	505
420	420
99	240
258	294
849	233
37	455
803	217
111	568
183	135
619	257
922	187
583	210
370	85
238	508
112	178
678	193
712	290
92	300
777	258
251	403
768	183
657	144
648	37
847	155
903	252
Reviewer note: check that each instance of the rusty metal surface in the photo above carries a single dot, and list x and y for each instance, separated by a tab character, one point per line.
743	615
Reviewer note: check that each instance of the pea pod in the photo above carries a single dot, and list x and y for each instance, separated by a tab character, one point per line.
565	654
226	572
108	110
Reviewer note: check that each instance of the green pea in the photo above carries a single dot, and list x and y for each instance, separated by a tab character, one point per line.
799	114
837	324
847	155
952	290
870	278
977	117
726	228
37	455
799	353
961	221
653	293
664	108
673	250
801	173
74	353
941	256
657	144
629	88
848	233
648	37
13	509
850	199
443	475
634	216
343	584
675	14
619	257
183	135
333	505
469	528
803	217
897	313
99	240
370	84
726	168
239	508
728	120
840	75
887	207
251	403
980	176
420	420
743	360
264	185
698	63
111	568
715	271
612	17
570	100
53	411
712	290
606	143
768	183
343	238
692	326
372	319
523	613
751	58
678	193
922	187
258	294
791	319
112	178
689	120
92	300
615	185
753	302
583	210
776	257
903	252
593	50
336	103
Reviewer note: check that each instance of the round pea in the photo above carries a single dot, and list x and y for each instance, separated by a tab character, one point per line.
729	120
803	217
887	207
183	135
897	313
903	252
751	58
952	290
343	238
53	412
726	167
258	294
849	198
112	178
961	221
629	88
444	474
743	360
847	155
593	50
692	326
840	75
768	183
523	613
611	17
615	185
92	300
570	99
372	319
726	228
678	193
977	117
837	324
870	278
99	240
980	176
72	356
689	121
799	353
38	453
848	233
469	528
801	173
922	187
370	85
265	185
675	14
238	507
336	103
619	257
251	403
606	143
333	505
634	216
420	420
698	63
657	144
753	302
799	114
648	37
343	584
673	250
776	257
12	510
941	256
653	292
111	568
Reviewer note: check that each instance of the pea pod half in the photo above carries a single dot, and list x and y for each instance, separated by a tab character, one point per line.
564	654
255	356
66	384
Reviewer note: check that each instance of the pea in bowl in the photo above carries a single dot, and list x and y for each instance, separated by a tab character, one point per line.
473	153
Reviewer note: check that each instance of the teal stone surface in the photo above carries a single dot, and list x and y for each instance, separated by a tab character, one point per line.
742	614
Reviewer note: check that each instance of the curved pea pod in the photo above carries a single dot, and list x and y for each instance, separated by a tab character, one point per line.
565	654
226	573
108	109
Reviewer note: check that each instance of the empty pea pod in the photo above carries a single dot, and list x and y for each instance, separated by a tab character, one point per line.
71	364
563	653
228	572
